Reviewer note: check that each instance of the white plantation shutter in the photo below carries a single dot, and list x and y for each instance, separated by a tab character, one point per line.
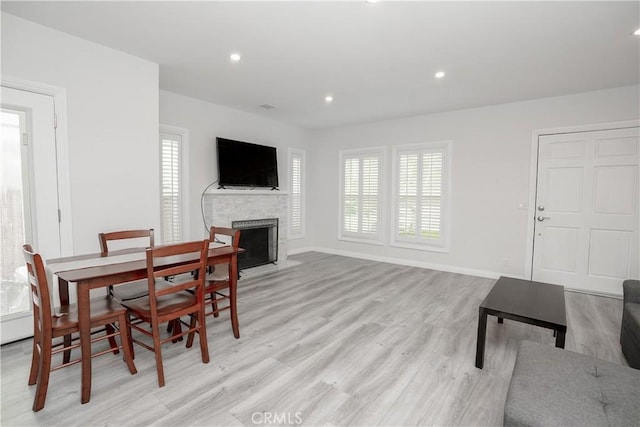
407	194
361	194
431	206
171	187
351	210
369	199
296	193
421	195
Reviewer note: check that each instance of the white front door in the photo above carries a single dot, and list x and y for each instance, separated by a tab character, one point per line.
29	189
586	226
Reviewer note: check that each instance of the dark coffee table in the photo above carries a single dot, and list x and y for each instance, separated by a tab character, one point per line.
536	303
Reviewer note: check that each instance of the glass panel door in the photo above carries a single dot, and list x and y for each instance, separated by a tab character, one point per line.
15	215
29	208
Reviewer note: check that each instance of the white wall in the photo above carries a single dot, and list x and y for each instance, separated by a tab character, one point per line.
490	174
112	113
205	121
115	108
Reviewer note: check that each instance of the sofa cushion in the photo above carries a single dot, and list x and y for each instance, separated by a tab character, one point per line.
630	334
632	317
631	291
551	386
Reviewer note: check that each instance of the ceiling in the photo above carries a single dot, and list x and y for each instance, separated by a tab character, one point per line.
377	60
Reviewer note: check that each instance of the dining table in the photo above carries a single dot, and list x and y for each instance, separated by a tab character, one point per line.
99	270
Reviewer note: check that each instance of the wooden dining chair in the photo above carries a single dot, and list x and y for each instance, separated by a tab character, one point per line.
167	302
217	284
131	290
48	325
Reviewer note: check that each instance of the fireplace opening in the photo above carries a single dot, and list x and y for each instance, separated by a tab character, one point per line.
259	239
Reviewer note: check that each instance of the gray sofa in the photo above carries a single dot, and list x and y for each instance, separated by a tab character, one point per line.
555	387
630	329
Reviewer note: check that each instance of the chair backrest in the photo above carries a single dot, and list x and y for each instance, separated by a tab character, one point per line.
123	235
168	260
39	293
224	231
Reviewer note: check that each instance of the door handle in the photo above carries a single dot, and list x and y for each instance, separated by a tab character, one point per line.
541	218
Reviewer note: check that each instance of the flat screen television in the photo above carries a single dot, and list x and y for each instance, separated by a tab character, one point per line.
242	164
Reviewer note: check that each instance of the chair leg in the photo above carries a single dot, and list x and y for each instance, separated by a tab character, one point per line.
66	355
177	330
202	331
130	336
44	369
35	360
234	312
214	305
191	326
157	349
124	340
110	329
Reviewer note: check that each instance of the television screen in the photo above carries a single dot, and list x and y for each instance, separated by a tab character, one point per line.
242	164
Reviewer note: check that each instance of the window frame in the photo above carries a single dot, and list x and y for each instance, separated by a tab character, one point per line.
443	244
300	153
183	135
359	237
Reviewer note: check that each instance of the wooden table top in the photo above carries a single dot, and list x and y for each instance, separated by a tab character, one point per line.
526	298
79	274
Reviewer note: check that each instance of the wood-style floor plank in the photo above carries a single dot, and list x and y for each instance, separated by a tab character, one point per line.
329	341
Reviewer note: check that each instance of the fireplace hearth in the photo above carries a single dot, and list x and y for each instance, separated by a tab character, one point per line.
259	239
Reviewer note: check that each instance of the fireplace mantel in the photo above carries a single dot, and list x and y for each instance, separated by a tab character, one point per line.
235	192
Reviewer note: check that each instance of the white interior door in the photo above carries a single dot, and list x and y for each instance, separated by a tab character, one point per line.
30	200
586	227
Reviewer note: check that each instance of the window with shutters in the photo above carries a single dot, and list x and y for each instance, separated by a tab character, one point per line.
296	193
172	184
361	195
421	196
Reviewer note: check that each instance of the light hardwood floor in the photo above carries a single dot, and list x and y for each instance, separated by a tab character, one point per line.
331	341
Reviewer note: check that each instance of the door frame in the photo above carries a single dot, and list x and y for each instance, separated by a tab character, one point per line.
59	95
533	175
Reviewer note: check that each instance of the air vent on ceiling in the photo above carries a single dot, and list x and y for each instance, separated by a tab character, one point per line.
267	106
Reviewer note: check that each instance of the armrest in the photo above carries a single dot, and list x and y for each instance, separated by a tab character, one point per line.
631	291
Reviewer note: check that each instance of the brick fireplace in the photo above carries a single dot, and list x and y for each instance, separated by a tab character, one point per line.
224	207
259	239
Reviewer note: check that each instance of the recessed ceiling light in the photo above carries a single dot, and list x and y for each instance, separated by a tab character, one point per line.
328	99
637	32
371	1
440	74
235	57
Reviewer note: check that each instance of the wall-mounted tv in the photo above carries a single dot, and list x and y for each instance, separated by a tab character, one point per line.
242	164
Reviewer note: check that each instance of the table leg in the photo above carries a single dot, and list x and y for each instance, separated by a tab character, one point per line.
233	294
84	324
560	335
482	334
63	293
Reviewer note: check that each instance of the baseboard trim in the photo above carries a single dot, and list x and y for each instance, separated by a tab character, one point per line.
399	261
431	266
302	250
595	293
